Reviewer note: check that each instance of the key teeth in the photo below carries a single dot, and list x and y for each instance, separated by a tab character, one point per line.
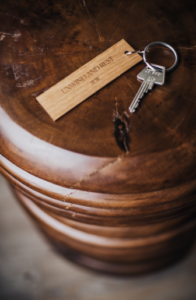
150	78
136	101
133	108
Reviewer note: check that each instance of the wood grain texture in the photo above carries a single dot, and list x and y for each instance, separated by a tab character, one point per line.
98	146
94	208
98	166
88	79
112	237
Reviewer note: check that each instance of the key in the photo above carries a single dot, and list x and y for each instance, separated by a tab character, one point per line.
149	77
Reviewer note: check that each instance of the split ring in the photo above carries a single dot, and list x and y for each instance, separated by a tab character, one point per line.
165	45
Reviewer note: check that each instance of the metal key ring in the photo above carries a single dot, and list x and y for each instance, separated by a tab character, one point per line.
167	46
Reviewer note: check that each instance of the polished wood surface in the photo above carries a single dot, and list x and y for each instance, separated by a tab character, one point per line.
31	267
108	239
110	189
104	209
121	256
98	146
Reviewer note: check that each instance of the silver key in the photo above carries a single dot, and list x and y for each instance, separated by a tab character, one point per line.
149	77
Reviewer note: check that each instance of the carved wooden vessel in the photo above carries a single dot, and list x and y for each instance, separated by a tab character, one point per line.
112	191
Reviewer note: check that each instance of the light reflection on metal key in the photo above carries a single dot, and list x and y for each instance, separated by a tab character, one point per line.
149	77
143	89
138	96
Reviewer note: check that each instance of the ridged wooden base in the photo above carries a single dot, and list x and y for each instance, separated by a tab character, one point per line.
113	268
131	261
153	230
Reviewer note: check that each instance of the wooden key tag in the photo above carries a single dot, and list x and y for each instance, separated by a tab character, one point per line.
88	79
